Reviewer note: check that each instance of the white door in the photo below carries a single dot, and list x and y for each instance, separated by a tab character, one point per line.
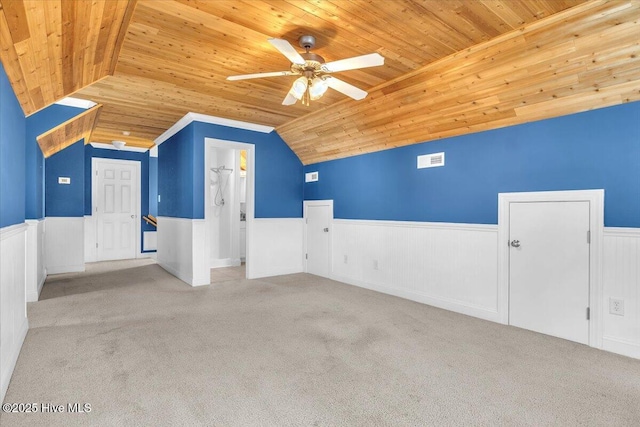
549	268
318	219
116	198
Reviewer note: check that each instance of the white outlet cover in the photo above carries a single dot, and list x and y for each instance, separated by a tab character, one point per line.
616	306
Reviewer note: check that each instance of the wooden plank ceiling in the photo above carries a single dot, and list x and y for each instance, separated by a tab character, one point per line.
451	67
177	54
50	49
586	58
69	132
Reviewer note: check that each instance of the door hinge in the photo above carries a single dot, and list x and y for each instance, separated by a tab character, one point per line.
588	313
306	221
589	237
306	256
96	244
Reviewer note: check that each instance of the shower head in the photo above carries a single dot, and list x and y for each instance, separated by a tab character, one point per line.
220	169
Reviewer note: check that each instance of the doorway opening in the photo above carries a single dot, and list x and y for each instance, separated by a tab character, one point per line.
229	205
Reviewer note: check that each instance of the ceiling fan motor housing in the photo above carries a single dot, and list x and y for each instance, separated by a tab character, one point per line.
307	42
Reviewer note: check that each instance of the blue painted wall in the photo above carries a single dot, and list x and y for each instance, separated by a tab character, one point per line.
153	186
278	191
591	150
175	175
65	200
12	156
37	124
91	152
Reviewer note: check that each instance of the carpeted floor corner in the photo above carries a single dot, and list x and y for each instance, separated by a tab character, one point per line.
143	348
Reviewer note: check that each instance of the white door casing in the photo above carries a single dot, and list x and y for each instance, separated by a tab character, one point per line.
549	268
595	199
250	200
318	216
116	204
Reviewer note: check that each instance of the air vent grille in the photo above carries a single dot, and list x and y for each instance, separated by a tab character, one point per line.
430	160
311	177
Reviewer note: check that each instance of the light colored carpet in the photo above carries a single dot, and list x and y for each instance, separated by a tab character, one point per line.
146	349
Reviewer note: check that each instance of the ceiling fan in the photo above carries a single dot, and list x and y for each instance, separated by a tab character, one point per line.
315	73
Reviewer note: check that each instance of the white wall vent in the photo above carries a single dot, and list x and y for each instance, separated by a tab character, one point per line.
430	160
311	177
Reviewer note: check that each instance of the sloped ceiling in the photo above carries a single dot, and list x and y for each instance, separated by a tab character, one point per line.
69	132
585	58
50	49
451	66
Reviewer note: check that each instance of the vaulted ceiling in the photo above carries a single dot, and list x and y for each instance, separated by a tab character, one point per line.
451	67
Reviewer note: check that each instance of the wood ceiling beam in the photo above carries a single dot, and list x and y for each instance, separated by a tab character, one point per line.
69	132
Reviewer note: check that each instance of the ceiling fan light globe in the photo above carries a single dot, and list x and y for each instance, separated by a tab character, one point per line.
317	89
299	87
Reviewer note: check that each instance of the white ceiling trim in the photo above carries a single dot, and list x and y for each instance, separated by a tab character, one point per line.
76	102
111	147
204	118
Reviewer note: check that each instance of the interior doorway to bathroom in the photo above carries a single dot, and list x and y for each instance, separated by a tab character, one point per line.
229	202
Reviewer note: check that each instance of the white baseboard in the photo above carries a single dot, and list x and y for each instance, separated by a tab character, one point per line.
446	304
66	269
621	346
225	262
185	277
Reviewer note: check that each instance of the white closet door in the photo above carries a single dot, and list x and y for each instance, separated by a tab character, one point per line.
549	268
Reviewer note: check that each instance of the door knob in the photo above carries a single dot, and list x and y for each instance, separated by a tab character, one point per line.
326	230
133	216
515	243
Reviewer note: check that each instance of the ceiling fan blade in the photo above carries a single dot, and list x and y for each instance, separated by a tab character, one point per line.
287	50
289	99
346	88
260	75
364	61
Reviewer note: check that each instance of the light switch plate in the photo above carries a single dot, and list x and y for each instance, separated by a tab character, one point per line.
64	180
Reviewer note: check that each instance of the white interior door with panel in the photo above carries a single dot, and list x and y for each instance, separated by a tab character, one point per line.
117	208
549	268
318	216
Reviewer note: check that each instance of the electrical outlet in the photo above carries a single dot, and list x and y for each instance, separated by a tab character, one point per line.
616	306
345	259
375	264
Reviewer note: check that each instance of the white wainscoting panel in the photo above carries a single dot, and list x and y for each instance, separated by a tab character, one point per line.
36	272
201	269
150	240
90	250
451	266
182	249
13	305
621	280
64	244
276	247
